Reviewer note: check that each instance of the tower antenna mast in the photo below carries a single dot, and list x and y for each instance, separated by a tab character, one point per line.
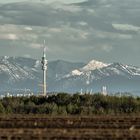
44	68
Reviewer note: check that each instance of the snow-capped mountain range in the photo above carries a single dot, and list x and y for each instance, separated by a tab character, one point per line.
104	70
17	73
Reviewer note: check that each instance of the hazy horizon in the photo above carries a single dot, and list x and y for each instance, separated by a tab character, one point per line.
75	30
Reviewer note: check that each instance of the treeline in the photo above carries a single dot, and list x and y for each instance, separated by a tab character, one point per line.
66	104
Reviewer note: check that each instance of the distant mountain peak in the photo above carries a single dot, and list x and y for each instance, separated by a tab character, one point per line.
94	64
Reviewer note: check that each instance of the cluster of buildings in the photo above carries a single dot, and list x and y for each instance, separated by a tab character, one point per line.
103	91
19	94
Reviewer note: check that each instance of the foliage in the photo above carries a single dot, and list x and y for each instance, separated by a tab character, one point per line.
2	109
66	104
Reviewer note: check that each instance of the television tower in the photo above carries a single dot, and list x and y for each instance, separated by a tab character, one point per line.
44	68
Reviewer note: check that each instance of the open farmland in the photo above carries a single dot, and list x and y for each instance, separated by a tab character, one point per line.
81	128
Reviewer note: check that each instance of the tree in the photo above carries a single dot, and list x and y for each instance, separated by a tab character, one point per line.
2	109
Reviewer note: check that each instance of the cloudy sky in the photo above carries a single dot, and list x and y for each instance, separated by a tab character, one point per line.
75	30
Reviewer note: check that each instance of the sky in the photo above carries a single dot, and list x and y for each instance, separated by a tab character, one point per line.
74	30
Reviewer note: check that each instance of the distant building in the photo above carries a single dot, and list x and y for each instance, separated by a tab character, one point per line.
104	91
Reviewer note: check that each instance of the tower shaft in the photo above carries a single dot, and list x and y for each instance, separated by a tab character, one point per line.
44	83
44	68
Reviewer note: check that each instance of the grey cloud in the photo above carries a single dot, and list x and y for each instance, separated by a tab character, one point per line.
77	32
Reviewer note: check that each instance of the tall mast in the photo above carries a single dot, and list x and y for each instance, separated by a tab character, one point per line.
44	68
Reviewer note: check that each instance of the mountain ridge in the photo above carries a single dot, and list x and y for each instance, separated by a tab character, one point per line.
64	76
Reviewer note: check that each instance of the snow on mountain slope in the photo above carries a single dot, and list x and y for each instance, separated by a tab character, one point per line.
96	70
126	70
15	71
74	73
92	65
